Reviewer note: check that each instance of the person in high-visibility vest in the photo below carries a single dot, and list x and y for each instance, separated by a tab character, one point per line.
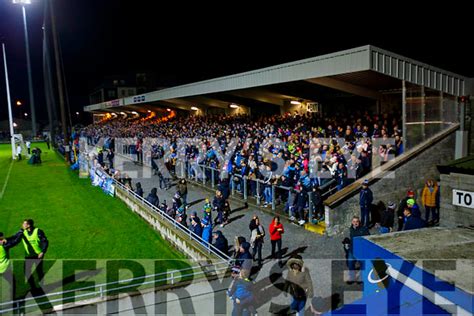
36	245
5	269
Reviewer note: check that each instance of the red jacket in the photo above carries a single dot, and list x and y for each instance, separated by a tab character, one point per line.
274	233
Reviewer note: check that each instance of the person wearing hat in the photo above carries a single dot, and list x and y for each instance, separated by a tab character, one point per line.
241	292
5	270
298	284
401	208
365	201
387	220
415	209
411	221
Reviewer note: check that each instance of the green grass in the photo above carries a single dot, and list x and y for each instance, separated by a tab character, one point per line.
80	221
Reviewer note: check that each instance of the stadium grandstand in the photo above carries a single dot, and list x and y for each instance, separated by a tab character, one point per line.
307	159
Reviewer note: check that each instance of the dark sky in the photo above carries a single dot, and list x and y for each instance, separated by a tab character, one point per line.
105	37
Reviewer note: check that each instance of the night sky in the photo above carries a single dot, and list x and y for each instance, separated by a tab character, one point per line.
107	37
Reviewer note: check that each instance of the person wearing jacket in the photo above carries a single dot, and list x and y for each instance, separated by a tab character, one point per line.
387	218
183	190
256	239
220	242
218	205
5	270
196	226
412	221
428	200
241	293
298	284
276	231
36	245
401	208
365	201
139	190
356	230
244	258
152	198
206	229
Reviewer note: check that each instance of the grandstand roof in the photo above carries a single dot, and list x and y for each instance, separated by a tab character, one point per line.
366	71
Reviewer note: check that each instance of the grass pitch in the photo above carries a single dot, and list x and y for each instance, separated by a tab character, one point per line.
80	221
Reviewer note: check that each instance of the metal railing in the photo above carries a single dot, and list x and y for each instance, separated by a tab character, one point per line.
203	244
103	289
201	177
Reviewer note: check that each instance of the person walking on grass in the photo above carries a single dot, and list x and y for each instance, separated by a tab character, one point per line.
36	244
276	231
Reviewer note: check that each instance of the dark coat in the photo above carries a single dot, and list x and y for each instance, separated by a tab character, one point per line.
387	218
221	242
365	197
413	222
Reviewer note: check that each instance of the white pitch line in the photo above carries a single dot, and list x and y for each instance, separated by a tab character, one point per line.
6	180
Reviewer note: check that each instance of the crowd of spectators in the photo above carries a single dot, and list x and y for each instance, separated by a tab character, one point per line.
309	153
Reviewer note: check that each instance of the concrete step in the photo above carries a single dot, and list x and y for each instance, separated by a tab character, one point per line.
319	228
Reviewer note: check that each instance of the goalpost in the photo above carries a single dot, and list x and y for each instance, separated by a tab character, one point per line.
18	139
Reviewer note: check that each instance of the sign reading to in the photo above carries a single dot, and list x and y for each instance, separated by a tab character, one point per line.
463	198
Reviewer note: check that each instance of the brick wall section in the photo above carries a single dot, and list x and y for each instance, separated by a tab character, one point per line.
450	215
394	186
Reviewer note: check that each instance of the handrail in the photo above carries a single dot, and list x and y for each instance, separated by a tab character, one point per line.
208	246
381	171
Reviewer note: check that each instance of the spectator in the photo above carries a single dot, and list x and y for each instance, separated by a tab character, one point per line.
428	200
365	202
220	242
298	284
183	190
241	293
238	240
256	239
356	230
401	208
244	258
438	202
196	227
206	229
318	206
411	221
218	205
152	198
276	230
139	190
386	223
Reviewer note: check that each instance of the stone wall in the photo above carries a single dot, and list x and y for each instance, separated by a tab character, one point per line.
451	215
393	186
